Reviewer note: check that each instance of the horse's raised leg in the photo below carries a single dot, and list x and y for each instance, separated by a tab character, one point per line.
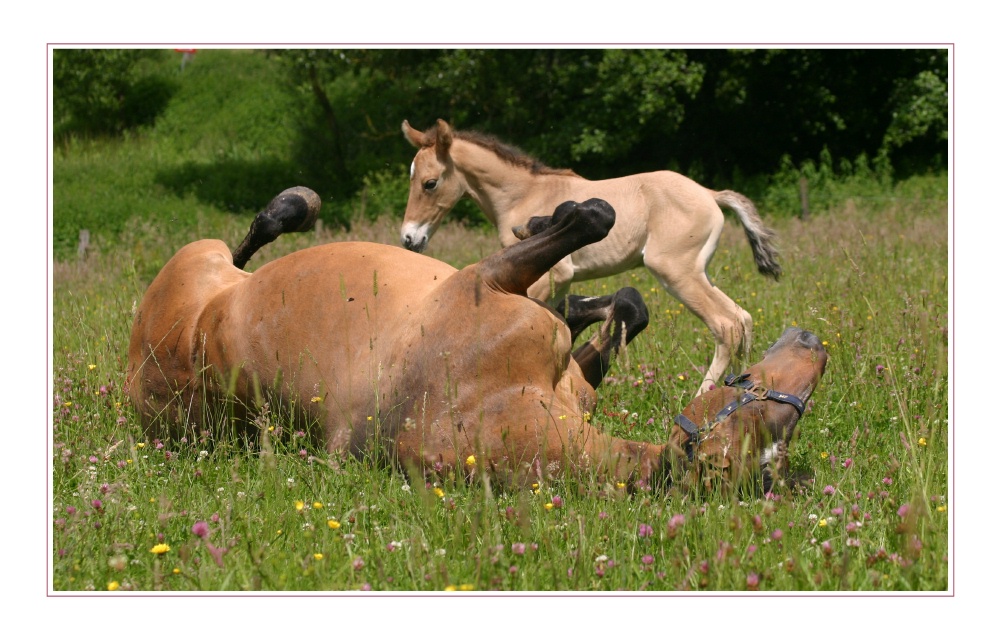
625	315
293	210
730	324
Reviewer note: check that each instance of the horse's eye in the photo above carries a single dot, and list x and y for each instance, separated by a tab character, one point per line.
430	184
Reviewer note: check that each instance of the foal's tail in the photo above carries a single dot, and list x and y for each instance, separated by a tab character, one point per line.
761	238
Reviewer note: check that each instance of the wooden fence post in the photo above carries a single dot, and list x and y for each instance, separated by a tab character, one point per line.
81	249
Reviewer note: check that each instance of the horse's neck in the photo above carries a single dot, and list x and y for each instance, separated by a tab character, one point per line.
498	187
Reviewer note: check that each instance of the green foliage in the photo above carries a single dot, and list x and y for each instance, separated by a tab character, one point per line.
138	137
105	91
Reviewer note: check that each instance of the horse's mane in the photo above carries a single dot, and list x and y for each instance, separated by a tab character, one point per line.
507	153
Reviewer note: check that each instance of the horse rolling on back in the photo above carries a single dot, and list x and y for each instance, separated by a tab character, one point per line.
666	222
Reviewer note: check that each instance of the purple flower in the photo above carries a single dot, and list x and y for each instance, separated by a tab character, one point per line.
70	510
752	581
517	548
97	504
837	511
903	510
513	569
887	480
829	490
602	515
358	563
879	368
827	548
557	501
645	530
776	535
215	517
847	462
216	553
200	529
647	559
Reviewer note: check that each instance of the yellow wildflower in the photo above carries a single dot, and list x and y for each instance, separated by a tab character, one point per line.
315	399
177	570
822	522
333	525
586	416
471	460
466	587
114	585
681	377
439	492
91	367
922	441
299	506
450	588
139	446
160	548
824	454
317	505
548	506
942	508
318	556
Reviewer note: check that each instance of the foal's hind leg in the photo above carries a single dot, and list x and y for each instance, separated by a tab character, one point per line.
730	324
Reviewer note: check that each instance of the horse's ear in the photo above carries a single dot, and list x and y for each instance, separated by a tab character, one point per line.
416	138
444	138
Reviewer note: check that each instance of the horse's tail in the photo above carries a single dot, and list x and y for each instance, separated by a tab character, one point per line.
765	254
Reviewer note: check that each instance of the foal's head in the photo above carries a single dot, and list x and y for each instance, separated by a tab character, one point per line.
435	186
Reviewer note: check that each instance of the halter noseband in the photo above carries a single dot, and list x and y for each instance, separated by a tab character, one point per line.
753	393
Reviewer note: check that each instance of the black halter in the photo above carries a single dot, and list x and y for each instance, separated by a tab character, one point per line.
753	393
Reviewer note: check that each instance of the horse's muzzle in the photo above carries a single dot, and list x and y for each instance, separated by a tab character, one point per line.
417	245
414	237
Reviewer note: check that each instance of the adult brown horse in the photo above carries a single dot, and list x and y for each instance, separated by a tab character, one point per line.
666	222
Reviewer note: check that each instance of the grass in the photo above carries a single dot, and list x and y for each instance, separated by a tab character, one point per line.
213	514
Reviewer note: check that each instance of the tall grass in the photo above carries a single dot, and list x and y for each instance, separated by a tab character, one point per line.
212	513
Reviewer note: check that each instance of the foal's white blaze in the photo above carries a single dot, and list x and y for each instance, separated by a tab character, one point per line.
411	169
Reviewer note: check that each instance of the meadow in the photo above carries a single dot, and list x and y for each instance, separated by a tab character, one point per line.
868	276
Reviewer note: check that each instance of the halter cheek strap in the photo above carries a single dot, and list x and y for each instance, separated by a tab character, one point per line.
753	393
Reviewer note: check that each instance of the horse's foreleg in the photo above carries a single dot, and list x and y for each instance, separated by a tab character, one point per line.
554	285
626	315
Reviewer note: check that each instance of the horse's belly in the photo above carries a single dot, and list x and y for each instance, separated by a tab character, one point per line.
605	259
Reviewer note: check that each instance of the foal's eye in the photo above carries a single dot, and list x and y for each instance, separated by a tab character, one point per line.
430	184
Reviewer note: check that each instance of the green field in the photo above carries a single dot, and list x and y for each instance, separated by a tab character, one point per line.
870	281
867	273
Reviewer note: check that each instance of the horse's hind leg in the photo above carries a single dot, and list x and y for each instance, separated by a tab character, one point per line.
293	210
730	324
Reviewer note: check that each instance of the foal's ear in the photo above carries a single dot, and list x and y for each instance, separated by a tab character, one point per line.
444	138
416	138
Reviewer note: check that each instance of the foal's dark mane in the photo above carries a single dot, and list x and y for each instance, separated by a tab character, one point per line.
507	153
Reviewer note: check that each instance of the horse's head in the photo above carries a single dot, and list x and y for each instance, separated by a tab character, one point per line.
435	186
